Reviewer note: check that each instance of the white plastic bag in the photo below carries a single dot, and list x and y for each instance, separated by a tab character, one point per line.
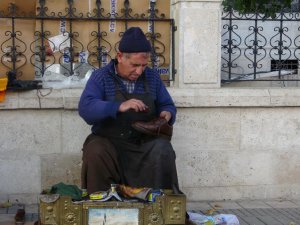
200	219
226	219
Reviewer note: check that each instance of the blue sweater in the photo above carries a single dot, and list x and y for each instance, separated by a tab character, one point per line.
97	101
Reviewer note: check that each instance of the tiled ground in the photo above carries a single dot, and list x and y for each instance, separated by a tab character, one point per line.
270	212
7	215
255	212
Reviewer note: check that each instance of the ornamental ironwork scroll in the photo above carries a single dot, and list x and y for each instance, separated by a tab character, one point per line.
70	38
255	47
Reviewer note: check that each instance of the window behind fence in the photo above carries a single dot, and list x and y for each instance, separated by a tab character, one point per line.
55	38
256	48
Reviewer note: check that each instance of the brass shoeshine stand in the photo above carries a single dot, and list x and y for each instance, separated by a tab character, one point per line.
61	210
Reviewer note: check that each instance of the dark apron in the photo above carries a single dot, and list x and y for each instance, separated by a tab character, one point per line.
145	161
120	128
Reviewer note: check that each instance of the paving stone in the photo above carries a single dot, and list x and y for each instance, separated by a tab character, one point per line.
295	212
14	208
5	219
225	205
281	204
29	223
254	204
32	208
243	212
238	213
35	217
291	214
277	215
198	206
270	220
8	223
3	210
250	220
297	202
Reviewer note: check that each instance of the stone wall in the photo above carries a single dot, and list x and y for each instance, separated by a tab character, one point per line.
230	143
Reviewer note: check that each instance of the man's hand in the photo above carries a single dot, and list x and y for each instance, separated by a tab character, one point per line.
166	115
135	104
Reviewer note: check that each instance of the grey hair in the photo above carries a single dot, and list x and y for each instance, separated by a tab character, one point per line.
128	55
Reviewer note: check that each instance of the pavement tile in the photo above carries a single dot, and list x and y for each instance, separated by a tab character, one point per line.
225	205
277	215
33	208
3	210
253	204
5	219
297	202
281	204
250	220
290	213
7	223
197	206
14	208
295	212
269	220
29	223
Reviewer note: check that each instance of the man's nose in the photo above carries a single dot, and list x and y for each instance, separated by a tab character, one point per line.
139	70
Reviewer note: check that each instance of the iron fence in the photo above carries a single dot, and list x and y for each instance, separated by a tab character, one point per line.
73	53
256	48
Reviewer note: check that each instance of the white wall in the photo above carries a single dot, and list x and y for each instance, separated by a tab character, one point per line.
230	144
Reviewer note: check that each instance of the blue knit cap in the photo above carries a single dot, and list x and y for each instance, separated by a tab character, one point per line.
134	40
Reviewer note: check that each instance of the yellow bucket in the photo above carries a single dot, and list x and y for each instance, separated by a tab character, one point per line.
3	83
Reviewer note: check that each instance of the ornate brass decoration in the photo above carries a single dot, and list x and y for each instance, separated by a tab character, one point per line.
167	209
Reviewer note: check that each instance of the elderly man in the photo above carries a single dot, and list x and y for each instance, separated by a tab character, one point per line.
116	96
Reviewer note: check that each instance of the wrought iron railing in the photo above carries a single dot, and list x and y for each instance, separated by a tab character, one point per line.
255	48
75	54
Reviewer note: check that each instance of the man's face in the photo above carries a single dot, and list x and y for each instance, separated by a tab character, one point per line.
131	65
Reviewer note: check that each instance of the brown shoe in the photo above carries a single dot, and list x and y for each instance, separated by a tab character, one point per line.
155	127
20	217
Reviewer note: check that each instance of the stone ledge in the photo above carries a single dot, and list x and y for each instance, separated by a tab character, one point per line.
183	98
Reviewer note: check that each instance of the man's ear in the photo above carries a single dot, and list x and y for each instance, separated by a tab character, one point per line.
119	56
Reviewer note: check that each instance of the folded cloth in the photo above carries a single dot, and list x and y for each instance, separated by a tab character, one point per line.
155	127
67	190
131	192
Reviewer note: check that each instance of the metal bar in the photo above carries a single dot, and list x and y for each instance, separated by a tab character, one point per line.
173	29
280	45
99	48
230	28
43	57
255	48
14	48
71	36
152	25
